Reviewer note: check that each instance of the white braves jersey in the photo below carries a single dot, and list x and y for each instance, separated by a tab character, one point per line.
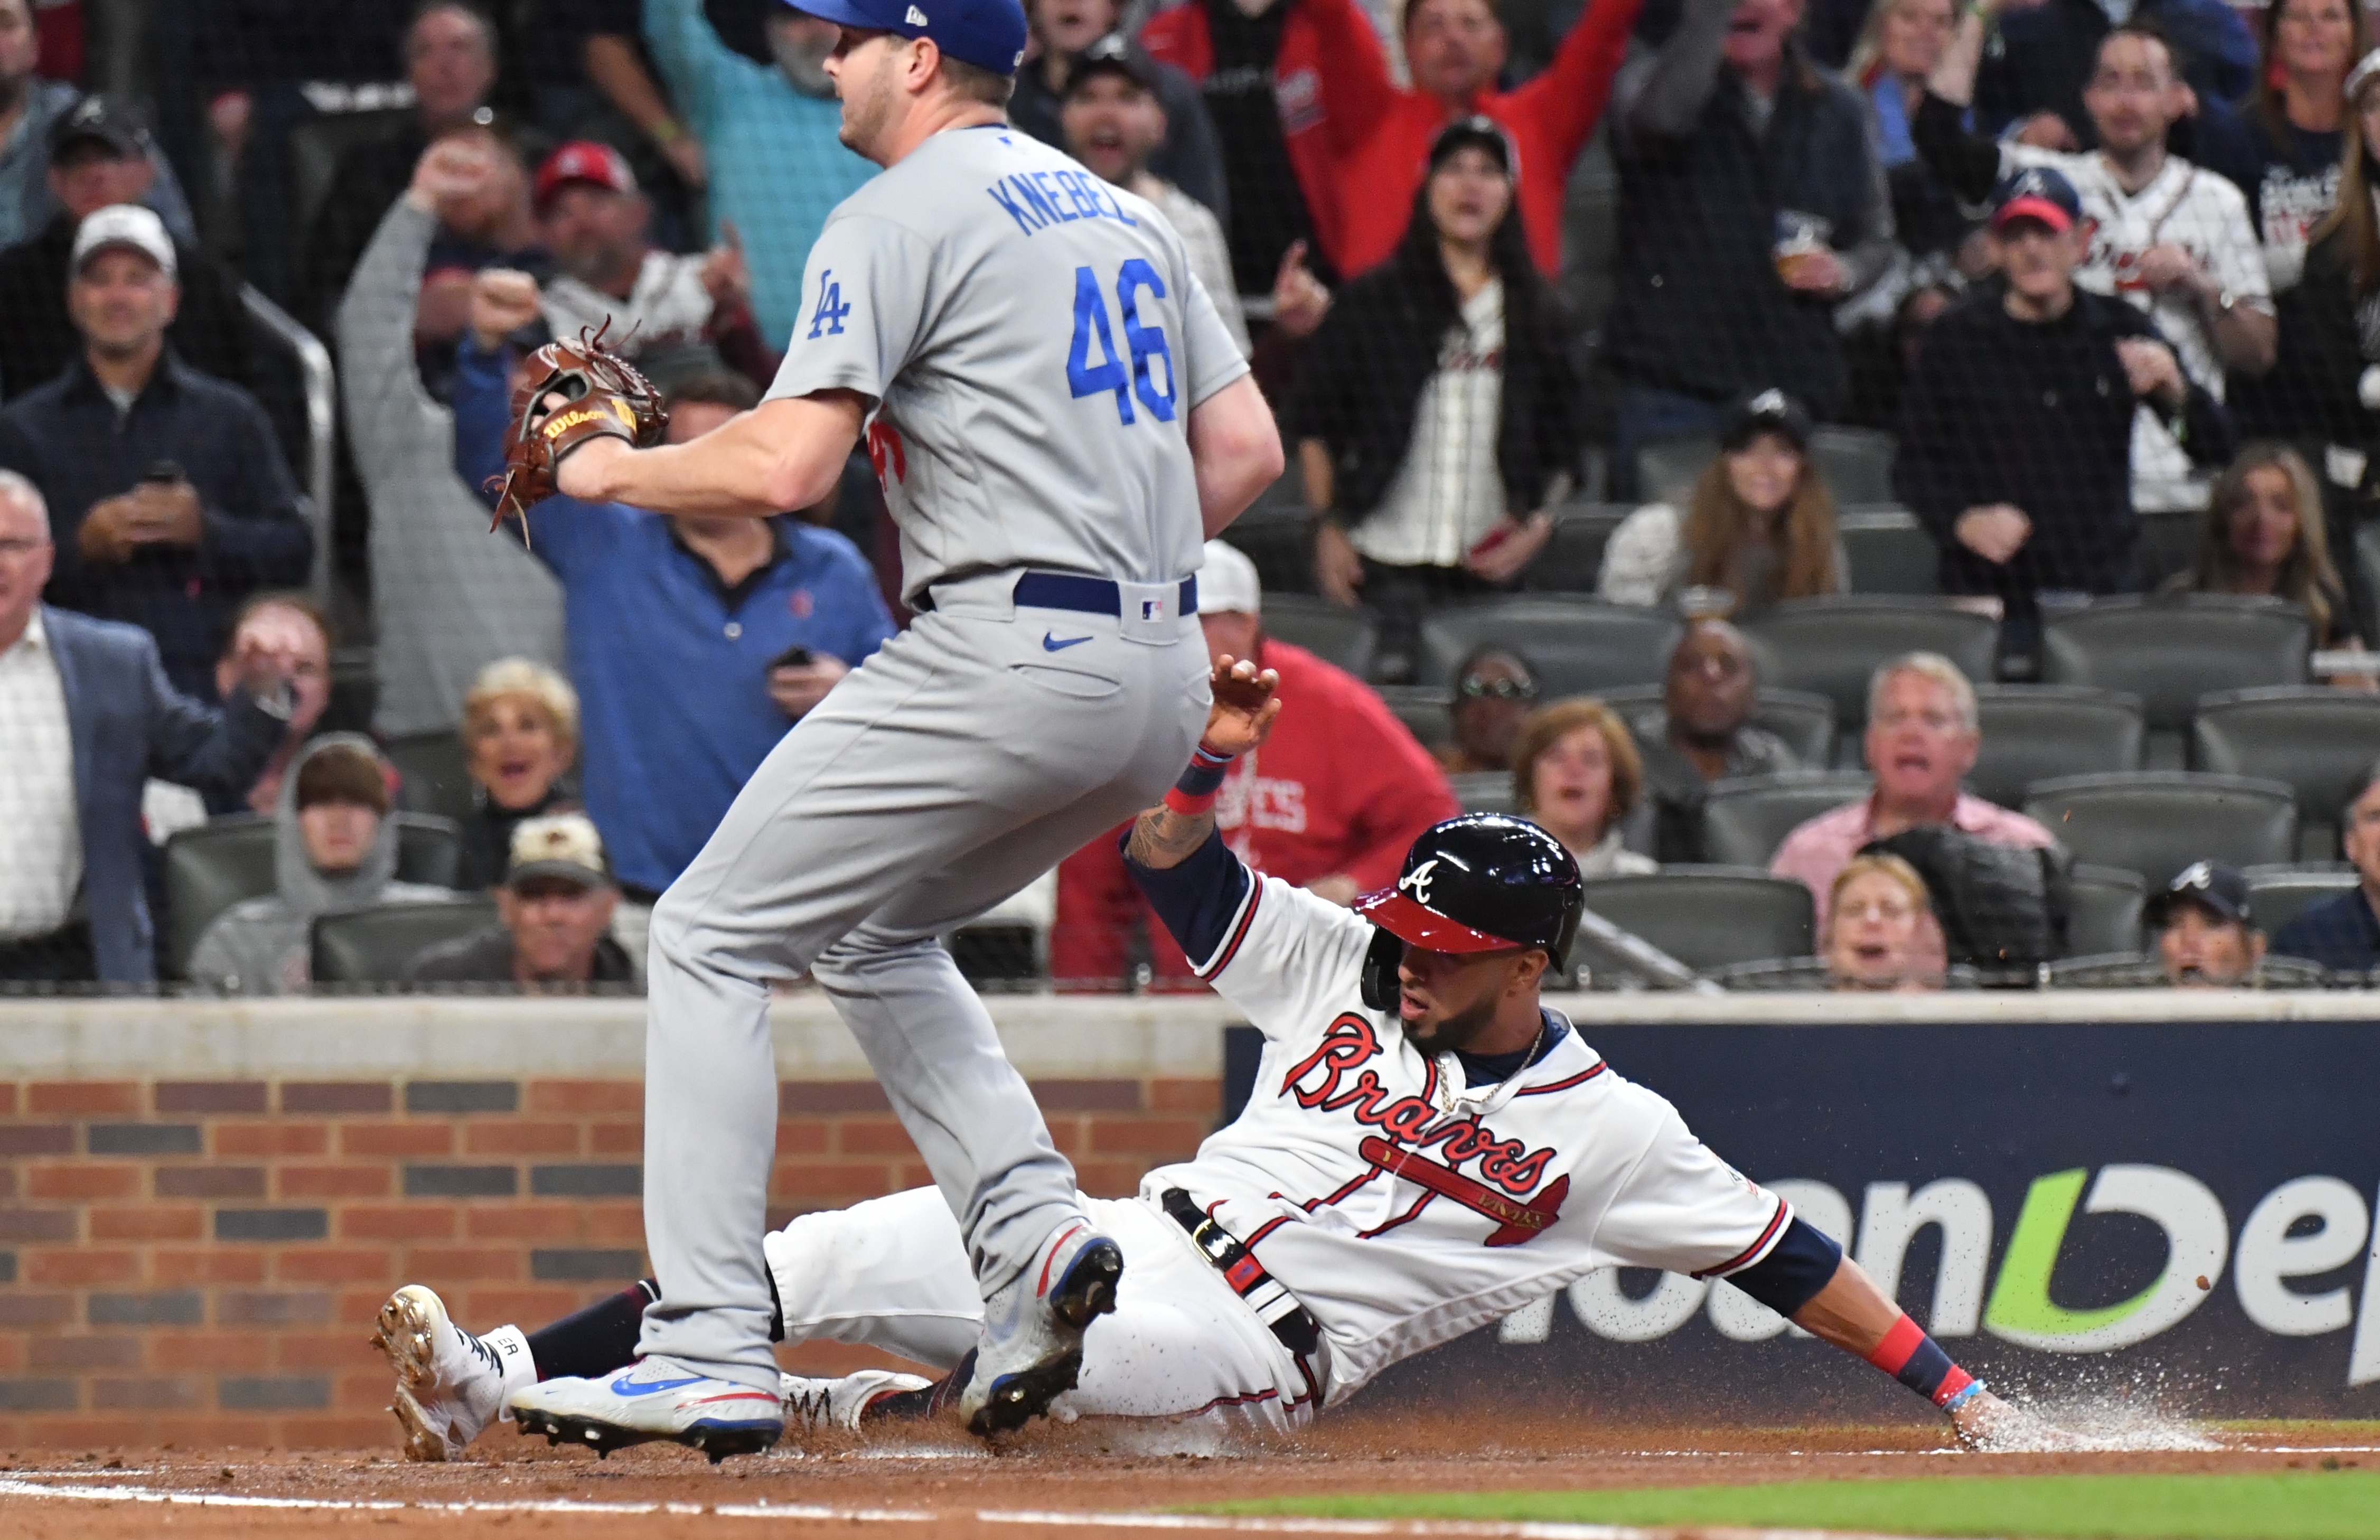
2184	205
1034	341
1404	1208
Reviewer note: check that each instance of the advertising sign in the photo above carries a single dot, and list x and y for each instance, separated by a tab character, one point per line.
2176	1214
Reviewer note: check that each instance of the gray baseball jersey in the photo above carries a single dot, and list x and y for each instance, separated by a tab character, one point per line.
1034	340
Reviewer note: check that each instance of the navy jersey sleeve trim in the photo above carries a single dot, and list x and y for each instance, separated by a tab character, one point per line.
1205	903
1751	1253
1797	1268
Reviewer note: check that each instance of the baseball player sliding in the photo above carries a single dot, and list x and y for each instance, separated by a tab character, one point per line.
1059	419
1429	1149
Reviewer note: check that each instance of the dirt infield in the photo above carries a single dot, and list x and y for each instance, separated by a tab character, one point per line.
1073	1482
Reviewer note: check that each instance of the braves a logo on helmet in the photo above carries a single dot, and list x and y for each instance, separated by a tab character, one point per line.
1417	882
916	17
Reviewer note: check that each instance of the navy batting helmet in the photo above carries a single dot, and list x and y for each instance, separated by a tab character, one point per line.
1482	882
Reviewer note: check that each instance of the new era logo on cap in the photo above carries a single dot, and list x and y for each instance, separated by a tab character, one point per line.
916	18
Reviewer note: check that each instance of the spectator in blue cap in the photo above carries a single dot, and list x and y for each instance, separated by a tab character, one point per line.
2036	362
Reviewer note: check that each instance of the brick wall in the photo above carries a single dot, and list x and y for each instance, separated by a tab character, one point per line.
200	1261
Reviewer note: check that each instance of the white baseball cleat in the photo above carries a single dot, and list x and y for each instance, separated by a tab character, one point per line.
449	1383
1033	1325
836	1405
652	1400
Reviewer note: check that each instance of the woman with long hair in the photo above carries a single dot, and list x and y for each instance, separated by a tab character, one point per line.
1895	51
2283	148
1760	526
1434	409
2263	534
2336	334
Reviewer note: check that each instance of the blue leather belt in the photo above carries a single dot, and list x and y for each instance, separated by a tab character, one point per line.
1090	596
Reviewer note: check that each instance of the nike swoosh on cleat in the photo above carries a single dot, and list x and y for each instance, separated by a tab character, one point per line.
1050	642
624	1386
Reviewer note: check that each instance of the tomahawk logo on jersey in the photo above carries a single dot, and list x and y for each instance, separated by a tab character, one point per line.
1400	1198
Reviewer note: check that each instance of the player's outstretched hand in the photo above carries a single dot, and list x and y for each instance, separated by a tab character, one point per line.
1246	707
1989	1426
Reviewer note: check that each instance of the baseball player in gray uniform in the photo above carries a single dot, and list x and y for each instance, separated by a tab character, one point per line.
1059	419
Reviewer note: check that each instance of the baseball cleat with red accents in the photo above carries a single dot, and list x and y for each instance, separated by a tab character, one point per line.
652	1400
1032	1346
839	1405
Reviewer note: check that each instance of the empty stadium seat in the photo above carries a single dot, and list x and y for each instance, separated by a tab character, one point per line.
1806	721
436	776
1572	558
1856	463
372	946
1484	791
2040	731
1577	646
1746	818
2156	822
2276	894
2145	970
1666	469
2316	738
2170	651
1889	552
1332	633
1422	707
1708	917
215	866
2106	913
1831	646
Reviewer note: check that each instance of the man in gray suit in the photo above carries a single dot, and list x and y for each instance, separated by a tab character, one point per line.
87	717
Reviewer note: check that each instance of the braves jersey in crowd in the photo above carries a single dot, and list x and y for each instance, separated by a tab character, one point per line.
667	309
1405	1198
1034	341
1341	788
2184	205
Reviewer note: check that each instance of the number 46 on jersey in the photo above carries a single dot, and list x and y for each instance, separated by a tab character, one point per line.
1094	363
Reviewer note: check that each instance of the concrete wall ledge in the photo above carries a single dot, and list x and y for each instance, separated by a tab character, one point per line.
1047	1035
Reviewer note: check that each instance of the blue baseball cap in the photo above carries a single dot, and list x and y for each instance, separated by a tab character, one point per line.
989	34
2037	192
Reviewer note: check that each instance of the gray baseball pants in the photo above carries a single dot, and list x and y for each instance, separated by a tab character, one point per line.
965	759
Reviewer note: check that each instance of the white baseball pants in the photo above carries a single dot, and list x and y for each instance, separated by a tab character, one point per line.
891	1273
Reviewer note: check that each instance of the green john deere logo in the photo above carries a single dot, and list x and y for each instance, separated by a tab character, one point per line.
2197	1242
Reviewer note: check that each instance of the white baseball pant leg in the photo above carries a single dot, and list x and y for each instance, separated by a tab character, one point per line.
891	1273
957	764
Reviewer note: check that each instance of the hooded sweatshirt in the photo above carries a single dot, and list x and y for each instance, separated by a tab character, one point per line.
264	945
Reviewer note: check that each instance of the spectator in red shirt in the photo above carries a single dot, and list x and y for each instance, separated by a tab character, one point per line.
1455	49
1331	802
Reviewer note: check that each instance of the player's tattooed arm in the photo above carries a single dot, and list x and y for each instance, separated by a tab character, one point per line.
1164	837
1241	717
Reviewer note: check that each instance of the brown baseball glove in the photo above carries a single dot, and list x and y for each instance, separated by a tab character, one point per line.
574	392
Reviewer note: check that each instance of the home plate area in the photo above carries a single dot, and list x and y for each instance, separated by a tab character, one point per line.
1079	1481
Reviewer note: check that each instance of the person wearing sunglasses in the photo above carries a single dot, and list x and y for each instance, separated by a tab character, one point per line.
1702	733
1494	690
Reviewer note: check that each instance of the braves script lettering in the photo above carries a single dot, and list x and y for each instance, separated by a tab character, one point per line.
1317	1083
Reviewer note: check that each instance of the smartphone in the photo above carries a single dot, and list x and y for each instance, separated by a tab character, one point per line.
792	657
1491	539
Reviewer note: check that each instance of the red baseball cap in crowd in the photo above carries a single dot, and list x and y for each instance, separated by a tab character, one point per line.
583	161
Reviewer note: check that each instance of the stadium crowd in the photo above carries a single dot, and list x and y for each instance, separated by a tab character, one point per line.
1887	483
